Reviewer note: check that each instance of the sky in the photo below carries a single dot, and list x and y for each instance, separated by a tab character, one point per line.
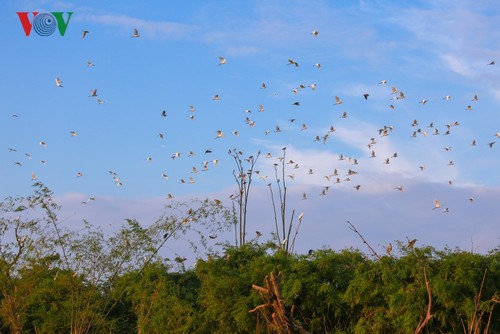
439	54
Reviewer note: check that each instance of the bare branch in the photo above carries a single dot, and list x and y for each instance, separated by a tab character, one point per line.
351	226
428	316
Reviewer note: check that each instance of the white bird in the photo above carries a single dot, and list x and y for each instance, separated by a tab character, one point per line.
315	33
219	134
437	204
58	82
222	61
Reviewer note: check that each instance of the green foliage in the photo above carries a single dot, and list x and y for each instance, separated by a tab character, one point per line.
54	280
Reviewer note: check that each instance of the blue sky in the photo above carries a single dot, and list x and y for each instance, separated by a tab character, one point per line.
426	49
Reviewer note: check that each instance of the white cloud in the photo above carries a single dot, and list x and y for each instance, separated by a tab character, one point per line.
459	33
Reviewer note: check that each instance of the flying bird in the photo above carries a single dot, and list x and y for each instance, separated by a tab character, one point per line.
136	33
222	61
219	134
84	33
437	204
58	82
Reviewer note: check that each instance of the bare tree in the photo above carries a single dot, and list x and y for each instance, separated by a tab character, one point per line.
243	177
284	231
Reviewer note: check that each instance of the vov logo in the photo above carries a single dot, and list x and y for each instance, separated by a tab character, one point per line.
44	24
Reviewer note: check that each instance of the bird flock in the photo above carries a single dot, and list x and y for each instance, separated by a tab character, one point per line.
344	170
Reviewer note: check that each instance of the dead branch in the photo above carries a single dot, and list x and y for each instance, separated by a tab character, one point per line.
351	226
428	316
495	300
473	326
278	320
